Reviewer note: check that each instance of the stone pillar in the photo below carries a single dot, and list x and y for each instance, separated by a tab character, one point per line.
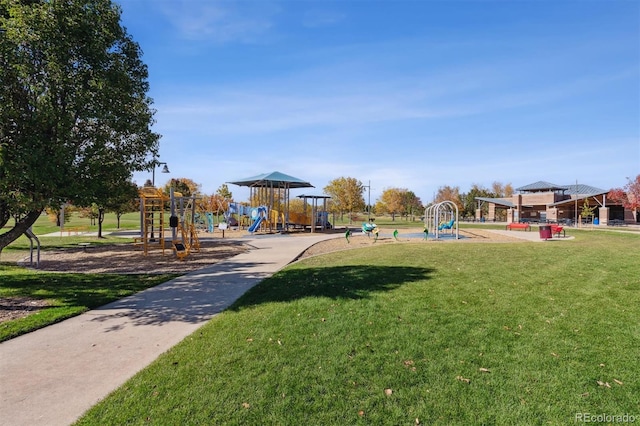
491	216
478	215
552	214
510	213
603	215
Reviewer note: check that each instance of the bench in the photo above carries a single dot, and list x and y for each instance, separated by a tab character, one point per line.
77	230
515	225
556	230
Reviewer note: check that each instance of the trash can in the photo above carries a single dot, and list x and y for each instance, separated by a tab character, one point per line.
545	232
596	221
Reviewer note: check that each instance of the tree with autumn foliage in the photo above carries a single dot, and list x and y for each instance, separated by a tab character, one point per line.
212	203
346	194
628	196
224	192
412	204
391	202
218	202
297	205
469	200
448	193
185	186
399	201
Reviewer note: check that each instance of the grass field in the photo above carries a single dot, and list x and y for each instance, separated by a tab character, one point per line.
67	294
412	334
44	226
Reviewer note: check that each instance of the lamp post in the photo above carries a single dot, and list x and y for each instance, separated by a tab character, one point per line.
165	169
369	202
576	204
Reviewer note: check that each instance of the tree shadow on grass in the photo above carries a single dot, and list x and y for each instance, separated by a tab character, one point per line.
340	282
197	297
79	290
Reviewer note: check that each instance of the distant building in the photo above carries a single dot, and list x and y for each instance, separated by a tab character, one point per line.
547	202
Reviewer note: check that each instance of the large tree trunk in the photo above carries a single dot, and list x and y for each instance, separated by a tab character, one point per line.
19	228
100	220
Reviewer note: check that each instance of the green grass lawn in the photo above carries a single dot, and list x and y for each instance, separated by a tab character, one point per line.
400	334
68	294
43	226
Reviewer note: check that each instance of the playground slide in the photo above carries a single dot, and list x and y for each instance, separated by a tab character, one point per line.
256	224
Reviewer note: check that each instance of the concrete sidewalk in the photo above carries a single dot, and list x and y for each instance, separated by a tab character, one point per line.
53	375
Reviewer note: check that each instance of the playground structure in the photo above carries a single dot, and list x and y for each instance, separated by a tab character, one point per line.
371	228
253	218
266	219
183	223
242	212
259	215
321	215
184	236
271	193
442	218
152	209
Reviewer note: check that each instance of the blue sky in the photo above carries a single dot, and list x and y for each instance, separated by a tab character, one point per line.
409	94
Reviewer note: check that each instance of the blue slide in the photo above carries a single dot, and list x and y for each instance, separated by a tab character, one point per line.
256	224
258	215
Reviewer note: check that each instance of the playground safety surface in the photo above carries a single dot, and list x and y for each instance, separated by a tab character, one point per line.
125	259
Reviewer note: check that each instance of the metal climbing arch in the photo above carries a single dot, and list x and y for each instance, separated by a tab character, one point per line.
442	218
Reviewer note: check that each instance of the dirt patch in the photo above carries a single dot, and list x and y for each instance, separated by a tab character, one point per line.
358	240
117	259
17	307
129	259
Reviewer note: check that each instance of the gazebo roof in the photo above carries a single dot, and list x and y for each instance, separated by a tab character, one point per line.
573	189
540	186
581	189
273	179
498	201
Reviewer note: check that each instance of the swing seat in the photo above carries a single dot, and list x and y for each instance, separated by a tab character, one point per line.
181	250
446	225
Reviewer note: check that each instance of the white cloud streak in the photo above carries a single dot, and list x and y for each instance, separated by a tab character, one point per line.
219	21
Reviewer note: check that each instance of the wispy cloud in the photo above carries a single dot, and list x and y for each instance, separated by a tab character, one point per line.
359	91
220	21
280	107
416	109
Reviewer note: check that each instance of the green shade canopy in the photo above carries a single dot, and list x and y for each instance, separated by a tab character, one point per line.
272	180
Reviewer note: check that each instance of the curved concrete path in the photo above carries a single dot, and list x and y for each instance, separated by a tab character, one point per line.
53	375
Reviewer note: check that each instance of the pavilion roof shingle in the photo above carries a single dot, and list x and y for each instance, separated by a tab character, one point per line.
273	179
